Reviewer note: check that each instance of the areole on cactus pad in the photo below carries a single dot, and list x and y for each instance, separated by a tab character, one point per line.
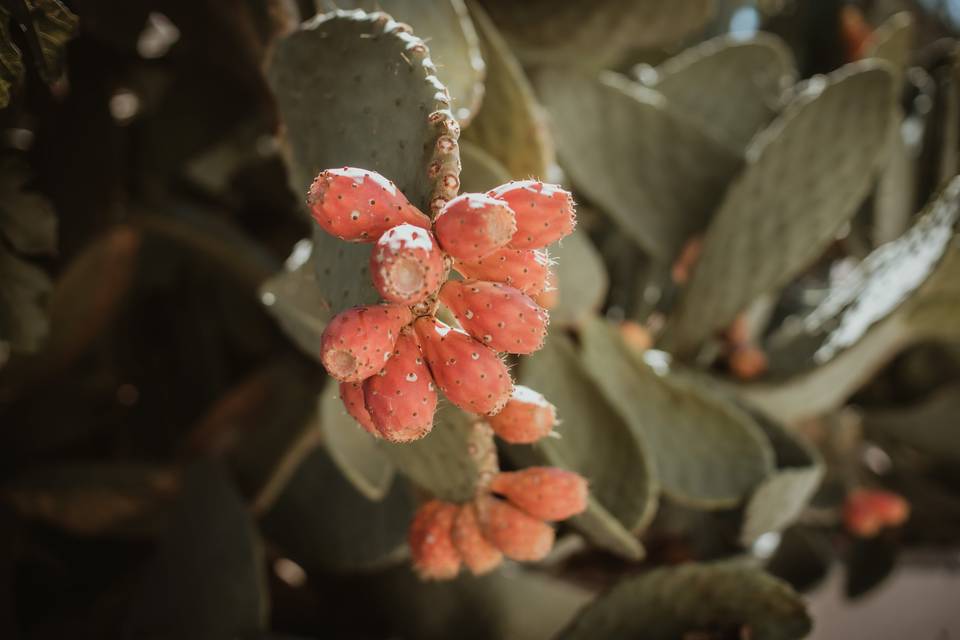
392	358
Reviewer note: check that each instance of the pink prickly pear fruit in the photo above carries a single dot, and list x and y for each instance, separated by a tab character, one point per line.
477	552
431	545
406	265
359	205
472	376
523	269
546	493
518	535
351	394
545	212
359	341
526	418
401	398
472	226
503	318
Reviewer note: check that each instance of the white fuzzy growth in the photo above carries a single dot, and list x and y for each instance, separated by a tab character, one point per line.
533	186
411	377
474	201
406	236
527	395
441	329
359	175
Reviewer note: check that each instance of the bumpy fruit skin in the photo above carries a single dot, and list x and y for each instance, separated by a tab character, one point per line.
351	394
477	552
359	341
545	212
472	226
406	265
526	418
401	398
431	546
867	511
357	205
472	376
501	317
523	269
546	493
518	535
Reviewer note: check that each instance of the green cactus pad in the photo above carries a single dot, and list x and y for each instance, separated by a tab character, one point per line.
779	499
441	462
806	175
356	89
694	599
653	170
547	32
454	47
708	453
596	443
903	292
293	298
582	280
355	452
893	42
929	426
510	126
323	523
731	87
481	171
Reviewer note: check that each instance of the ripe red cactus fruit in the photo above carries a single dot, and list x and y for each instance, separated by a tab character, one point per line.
477	552
526	418
406	265
518	535
472	226
351	394
357	205
546	493
545	212
472	376
357	342
503	318
523	269
431	545
748	362
401	398
866	511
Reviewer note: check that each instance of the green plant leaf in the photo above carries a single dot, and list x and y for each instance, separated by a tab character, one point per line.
354	89
779	499
581	280
510	126
544	32
929	426
54	25
893	42
806	175
454	47
731	87
355	452
903	292
23	292
677	602
869	562
595	442
27	218
516	603
708	452
441	462
295	301
481	171
651	168
207	579
323	523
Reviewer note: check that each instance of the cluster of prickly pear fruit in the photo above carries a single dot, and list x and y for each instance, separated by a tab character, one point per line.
509	519
390	358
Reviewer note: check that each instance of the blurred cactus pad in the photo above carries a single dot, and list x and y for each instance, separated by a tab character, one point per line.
755	323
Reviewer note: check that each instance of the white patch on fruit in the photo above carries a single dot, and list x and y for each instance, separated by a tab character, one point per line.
406	236
527	395
358	176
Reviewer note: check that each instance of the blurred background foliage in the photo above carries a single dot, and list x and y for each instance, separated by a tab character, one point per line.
758	313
